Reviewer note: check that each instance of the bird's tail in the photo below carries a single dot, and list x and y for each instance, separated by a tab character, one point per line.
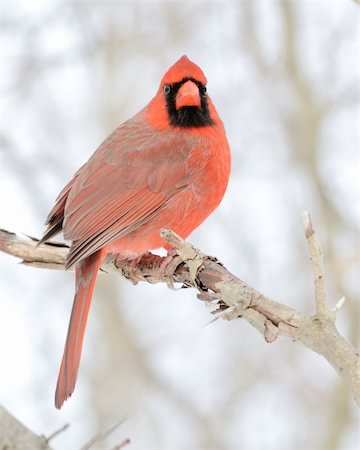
86	272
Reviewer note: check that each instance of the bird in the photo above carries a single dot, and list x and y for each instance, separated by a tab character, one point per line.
166	167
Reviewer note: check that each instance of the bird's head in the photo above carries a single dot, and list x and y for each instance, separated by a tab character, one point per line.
182	100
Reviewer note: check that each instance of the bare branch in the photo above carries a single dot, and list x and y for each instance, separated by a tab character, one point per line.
51	256
230	297
122	444
101	436
57	432
316	259
15	436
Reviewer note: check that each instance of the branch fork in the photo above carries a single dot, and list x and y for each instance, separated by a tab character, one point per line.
230	297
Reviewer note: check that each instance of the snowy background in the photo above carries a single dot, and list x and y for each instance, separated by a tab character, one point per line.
284	76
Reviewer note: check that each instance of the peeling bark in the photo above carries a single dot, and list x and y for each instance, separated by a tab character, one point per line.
230	297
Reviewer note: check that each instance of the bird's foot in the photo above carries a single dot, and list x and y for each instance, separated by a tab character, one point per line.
168	266
133	269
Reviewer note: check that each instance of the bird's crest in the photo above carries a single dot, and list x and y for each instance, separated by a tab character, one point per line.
183	68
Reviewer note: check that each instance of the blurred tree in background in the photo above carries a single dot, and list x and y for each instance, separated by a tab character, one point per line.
284	76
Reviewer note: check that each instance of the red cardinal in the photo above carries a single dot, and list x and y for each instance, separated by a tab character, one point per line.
166	167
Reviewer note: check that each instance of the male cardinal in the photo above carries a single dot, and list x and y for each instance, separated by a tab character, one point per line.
166	167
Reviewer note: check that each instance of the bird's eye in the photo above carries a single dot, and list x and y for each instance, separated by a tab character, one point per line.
204	90
167	89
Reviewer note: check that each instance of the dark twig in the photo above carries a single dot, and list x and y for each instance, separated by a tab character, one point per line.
57	432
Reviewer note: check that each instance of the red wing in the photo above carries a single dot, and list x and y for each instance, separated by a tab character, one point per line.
55	218
115	194
114	222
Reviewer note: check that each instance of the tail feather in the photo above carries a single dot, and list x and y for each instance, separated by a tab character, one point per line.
86	272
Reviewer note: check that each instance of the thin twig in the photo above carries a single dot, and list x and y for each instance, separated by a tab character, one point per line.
317	262
102	435
122	444
57	432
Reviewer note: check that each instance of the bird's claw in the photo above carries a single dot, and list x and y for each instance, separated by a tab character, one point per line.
168	267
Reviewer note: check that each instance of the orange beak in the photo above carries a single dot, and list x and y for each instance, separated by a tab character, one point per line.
188	95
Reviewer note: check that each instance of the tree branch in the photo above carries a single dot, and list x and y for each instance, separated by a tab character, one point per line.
230	297
103	435
317	262
15	436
